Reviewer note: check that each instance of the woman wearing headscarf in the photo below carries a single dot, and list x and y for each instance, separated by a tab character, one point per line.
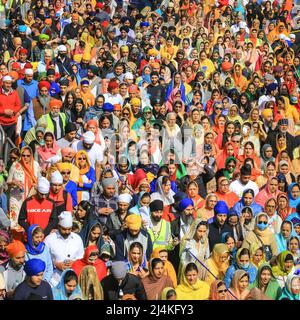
283	208
247	200
48	150
36	249
233	114
192	192
294	194
67	287
223	192
93	125
89	284
230	168
282	238
218	263
168	293
268	172
266	155
284	266
240	285
242	262
163	191
91	258
207	213
190	287
262	236
195	242
4	241
257	255
218	291
266	282
156	281
162	254
22	178
38	141
269	191
249	152
291	291
87	176
229	150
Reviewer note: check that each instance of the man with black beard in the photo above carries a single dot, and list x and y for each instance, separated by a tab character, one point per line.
154	89
179	227
13	271
63	61
71	30
160	231
133	233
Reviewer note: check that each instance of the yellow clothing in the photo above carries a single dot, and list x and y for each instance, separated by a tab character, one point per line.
210	68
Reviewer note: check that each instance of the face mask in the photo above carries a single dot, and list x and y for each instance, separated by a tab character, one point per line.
245	130
42	142
262	226
245	266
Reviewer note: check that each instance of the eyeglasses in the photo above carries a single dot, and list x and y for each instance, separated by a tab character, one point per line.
147	112
218	108
125	113
264	222
230	165
81	158
225	184
26	155
222	291
270	206
235	141
65	172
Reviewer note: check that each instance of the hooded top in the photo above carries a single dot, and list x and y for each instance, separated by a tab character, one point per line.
99	265
273	289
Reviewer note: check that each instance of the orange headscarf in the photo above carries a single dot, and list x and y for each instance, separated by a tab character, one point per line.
88	165
28	169
94	122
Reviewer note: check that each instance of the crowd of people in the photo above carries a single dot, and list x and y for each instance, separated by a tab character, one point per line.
156	150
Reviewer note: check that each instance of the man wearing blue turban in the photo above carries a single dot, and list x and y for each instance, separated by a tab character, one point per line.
33	287
219	225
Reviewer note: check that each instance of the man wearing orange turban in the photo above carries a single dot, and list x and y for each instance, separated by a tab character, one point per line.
13	272
133	233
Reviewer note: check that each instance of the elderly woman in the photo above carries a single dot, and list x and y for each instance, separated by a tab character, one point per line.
22	179
284	266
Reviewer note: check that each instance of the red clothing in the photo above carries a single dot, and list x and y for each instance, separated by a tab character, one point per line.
59	199
12	102
230	198
99	265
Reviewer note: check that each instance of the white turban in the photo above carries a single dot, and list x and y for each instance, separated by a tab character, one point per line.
7	78
62	48
56	178
125	197
29	72
128	75
43	185
89	137
65	219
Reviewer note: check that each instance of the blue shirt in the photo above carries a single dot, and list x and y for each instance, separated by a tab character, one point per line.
31	88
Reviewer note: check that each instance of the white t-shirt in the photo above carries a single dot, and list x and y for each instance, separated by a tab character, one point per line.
95	153
239	188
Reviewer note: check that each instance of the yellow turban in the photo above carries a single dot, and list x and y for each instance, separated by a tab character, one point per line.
124	49
134	221
166	55
86	56
64	166
155	65
152	52
135	102
266	113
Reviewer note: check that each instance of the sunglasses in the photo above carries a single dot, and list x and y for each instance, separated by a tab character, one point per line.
65	172
125	114
218	108
81	158
222	291
264	222
147	112
26	155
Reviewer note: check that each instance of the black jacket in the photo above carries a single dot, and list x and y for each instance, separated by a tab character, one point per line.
130	285
215	233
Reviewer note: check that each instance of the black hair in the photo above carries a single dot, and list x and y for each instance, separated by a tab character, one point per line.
155	262
243	252
136	245
69	276
163	169
170	293
190	267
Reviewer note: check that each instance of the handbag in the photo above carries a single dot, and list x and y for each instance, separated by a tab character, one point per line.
266	249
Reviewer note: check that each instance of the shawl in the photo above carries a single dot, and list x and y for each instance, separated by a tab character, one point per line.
154	286
30	247
88	164
165	292
46	153
238	275
159	193
253	248
281	241
273	287
213	295
265	194
292	201
285	212
28	169
85	233
88	278
198	291
287	291
169	269
278	269
4	257
99	265
59	292
221	159
217	267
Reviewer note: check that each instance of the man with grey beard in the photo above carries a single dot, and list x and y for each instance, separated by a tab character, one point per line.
179	227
